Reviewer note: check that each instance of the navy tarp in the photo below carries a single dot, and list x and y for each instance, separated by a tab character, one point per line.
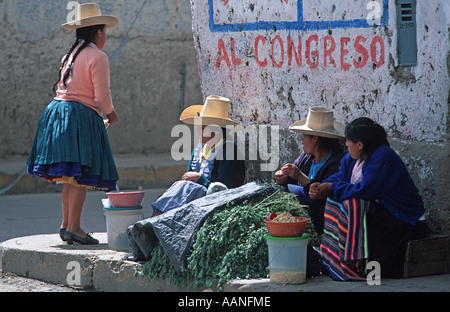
176	230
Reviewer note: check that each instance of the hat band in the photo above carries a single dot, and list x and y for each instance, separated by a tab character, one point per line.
326	128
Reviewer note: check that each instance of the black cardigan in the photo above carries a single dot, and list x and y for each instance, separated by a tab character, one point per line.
230	172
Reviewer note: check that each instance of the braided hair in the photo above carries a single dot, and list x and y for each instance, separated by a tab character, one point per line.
367	131
84	36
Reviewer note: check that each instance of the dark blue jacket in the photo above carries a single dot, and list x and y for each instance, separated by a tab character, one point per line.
385	179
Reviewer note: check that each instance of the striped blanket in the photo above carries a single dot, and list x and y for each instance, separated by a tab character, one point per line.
344	242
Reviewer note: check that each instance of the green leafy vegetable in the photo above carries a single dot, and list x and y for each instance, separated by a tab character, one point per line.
231	244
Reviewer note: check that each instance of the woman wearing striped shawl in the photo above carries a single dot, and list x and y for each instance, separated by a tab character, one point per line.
372	209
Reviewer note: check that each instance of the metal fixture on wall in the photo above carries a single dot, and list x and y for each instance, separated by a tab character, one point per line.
406	32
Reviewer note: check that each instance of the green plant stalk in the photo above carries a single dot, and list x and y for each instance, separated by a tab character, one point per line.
230	245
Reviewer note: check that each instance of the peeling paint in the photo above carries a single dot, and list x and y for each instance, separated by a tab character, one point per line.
274	65
271	59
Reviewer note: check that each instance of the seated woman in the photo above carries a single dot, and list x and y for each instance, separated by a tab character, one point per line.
214	160
319	160
372	209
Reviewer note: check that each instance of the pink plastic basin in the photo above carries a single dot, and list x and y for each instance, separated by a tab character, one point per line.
126	199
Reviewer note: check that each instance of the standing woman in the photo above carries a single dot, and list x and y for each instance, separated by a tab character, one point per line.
71	145
373	206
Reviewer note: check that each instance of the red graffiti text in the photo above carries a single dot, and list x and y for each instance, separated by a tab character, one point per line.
328	52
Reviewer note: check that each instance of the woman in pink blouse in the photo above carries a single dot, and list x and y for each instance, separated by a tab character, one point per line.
71	145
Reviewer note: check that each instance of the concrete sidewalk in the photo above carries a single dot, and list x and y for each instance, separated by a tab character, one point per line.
47	258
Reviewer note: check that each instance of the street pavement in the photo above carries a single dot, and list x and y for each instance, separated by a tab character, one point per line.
34	214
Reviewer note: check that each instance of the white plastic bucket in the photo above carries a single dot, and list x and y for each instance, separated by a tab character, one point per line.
287	259
117	222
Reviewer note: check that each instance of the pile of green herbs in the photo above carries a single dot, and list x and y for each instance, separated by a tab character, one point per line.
231	244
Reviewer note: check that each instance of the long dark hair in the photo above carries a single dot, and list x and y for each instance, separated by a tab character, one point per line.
85	36
368	132
329	143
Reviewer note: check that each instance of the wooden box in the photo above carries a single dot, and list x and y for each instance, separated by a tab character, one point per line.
427	256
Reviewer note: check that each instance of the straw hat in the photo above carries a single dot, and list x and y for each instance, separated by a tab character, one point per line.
214	112
90	14
320	122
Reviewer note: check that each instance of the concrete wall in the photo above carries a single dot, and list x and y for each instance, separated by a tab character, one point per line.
152	78
275	59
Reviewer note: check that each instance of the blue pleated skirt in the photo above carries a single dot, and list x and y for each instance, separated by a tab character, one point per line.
72	146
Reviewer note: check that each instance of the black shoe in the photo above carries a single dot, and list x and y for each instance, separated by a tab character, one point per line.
88	240
61	234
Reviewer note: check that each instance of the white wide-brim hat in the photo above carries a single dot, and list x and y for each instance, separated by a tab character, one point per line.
320	122
213	112
90	14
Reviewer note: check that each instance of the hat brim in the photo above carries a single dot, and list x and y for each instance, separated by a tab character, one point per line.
108	21
337	133
191	116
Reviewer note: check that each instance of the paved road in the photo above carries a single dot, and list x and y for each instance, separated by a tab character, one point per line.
34	214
